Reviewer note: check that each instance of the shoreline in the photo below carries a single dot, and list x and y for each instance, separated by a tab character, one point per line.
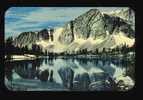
33	57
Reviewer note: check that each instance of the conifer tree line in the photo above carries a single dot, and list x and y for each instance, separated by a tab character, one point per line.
10	49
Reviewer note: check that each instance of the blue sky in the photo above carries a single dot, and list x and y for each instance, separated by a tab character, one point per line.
21	19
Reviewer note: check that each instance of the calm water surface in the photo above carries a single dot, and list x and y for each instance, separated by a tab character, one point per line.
24	75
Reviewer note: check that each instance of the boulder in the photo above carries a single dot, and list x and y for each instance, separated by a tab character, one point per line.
43	75
124	83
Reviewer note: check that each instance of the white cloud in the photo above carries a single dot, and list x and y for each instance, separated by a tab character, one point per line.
40	16
54	14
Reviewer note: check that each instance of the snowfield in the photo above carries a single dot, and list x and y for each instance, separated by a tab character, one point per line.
23	57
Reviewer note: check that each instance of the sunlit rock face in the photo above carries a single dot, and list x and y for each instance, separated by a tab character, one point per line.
67	36
94	24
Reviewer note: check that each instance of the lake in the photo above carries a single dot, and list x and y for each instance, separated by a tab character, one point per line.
77	74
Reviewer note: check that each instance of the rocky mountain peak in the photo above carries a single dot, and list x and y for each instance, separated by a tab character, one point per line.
43	30
92	27
92	11
43	34
29	38
94	24
127	14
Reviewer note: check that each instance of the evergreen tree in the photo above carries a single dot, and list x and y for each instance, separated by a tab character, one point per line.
46	53
9	47
117	49
97	51
103	50
26	49
51	34
124	49
71	26
9	41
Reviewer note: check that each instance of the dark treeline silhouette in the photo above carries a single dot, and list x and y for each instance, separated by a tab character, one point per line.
10	49
51	34
27	69
37	50
123	50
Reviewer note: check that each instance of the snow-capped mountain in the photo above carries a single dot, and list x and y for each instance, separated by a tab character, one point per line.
91	30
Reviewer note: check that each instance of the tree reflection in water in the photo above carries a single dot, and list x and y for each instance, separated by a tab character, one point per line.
29	69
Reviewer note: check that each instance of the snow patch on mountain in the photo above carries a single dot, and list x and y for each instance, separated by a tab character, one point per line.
52	46
110	41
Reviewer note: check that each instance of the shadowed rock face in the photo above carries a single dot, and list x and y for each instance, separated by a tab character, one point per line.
127	14
26	38
66	75
29	38
43	34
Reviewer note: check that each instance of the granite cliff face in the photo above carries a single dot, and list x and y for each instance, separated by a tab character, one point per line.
25	38
29	38
127	14
93	24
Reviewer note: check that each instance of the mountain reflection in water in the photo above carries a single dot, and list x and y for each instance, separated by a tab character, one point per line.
63	74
